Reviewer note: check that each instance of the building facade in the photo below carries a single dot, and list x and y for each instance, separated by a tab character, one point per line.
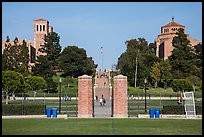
31	49
41	28
163	41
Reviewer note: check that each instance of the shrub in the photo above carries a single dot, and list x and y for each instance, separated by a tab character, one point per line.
19	109
173	110
182	85
179	110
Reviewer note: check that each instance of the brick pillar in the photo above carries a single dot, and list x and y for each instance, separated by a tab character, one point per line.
120	108
85	96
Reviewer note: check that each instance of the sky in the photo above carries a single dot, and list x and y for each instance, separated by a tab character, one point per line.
92	25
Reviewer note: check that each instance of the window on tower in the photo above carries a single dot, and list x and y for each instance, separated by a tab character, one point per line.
37	27
166	30
174	29
40	27
43	27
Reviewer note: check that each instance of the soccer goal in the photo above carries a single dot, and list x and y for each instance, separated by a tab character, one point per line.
189	105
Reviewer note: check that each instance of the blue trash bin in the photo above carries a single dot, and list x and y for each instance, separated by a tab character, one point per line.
151	112
54	112
157	113
48	112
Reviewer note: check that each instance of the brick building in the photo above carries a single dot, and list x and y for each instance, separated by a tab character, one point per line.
164	40
102	84
41	28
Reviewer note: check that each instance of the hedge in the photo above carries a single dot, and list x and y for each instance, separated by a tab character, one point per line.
26	109
180	110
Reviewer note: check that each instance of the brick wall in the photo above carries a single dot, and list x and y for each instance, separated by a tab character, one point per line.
120	108
85	96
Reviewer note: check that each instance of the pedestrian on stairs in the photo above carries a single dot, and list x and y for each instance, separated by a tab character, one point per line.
101	101
104	101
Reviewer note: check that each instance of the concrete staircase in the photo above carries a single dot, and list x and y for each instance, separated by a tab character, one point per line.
102	87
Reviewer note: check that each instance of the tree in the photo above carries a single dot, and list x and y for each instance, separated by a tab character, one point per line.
91	67
165	71
197	61
195	81
7	39
74	62
47	65
161	71
148	61
12	82
35	83
155	72
15	57
43	68
52	49
153	47
145	58
181	85
182	56
7	57
198	52
23	59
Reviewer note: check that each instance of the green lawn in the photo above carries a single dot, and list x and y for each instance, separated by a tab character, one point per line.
102	126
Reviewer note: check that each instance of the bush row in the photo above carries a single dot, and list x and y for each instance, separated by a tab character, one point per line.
180	110
19	109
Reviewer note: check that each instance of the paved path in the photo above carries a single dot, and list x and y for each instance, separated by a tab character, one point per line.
102	111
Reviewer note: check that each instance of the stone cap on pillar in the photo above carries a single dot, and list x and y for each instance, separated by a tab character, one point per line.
85	77
120	77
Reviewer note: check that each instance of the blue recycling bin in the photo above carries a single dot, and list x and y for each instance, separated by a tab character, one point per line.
151	112
54	112
157	113
48	112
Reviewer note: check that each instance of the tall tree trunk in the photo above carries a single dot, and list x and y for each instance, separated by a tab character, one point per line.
6	97
34	95
155	84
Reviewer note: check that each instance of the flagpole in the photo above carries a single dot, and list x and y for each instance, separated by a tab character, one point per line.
102	57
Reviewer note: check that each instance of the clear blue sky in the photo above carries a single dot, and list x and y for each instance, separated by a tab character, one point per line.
91	25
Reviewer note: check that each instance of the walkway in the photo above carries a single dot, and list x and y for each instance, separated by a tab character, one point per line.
102	111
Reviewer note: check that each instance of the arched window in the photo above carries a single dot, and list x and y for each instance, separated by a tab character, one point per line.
37	27
43	27
40	27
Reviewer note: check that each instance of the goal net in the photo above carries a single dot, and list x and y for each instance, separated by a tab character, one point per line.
189	105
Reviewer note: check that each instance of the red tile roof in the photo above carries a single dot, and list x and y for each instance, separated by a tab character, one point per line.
40	20
173	24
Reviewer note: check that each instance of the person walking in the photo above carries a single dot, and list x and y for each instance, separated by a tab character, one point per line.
96	98
104	101
101	101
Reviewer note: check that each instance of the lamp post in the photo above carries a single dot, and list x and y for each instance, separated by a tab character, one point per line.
60	80
145	81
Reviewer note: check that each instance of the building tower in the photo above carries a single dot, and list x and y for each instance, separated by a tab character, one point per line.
41	28
164	40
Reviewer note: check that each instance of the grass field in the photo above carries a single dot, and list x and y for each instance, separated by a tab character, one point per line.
102	126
